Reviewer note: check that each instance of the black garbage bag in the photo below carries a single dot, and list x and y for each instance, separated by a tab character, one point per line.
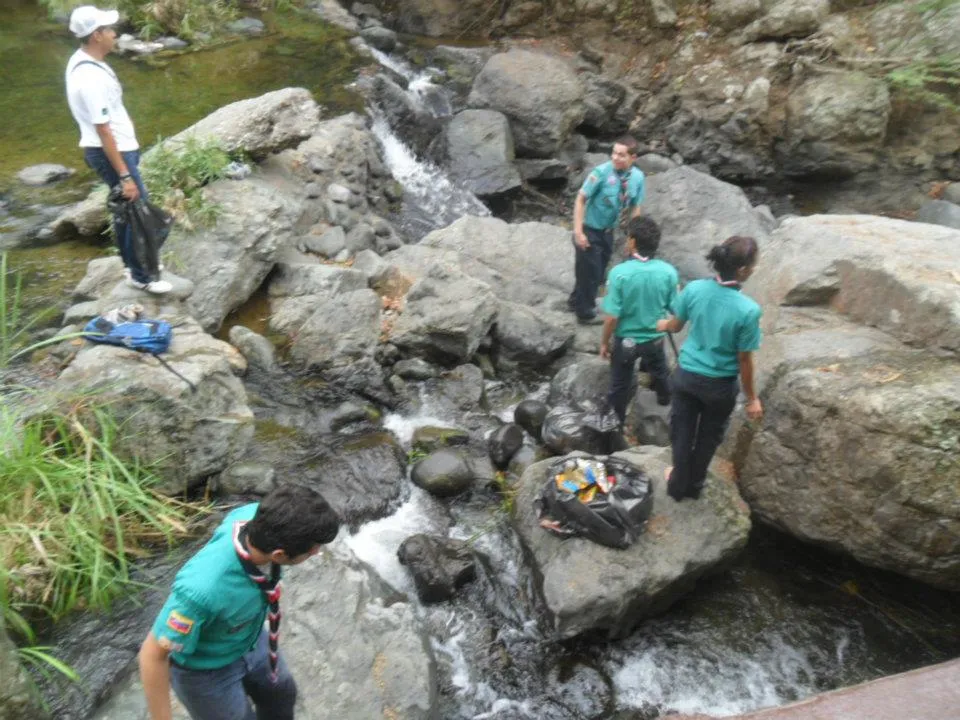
615	519
149	228
582	426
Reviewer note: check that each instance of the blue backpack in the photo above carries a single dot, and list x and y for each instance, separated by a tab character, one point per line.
148	336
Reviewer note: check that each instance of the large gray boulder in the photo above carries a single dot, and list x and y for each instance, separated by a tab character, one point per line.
480	152
359	648
589	588
835	125
257	126
788	18
44	174
527	267
340	338
447	313
859	376
940	212
188	435
87	217
540	95
523	335
228	261
438	18
296	291
695	212
733	14
527	263
355	648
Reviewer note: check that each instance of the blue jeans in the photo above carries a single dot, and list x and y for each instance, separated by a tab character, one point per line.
589	268
225	693
97	159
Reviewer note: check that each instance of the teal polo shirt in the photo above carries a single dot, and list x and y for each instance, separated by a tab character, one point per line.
638	294
603	188
723	322
215	612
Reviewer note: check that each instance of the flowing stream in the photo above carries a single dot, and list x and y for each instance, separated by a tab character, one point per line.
786	622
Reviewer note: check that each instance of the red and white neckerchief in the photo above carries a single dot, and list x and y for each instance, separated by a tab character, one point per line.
270	586
638	256
728	283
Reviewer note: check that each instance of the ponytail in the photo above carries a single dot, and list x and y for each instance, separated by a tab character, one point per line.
735	252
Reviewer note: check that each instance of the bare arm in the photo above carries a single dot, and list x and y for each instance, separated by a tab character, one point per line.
579	210
670	324
637	212
609	325
130	189
754	408
155	676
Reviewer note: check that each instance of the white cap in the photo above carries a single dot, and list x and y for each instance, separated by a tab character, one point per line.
86	18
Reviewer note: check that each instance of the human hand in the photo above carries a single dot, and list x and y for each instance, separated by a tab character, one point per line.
130	190
754	409
581	239
662	325
604	351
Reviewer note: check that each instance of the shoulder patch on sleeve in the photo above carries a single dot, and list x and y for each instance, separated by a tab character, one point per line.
179	623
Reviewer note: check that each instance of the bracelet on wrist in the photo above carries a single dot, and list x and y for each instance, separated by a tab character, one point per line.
127	176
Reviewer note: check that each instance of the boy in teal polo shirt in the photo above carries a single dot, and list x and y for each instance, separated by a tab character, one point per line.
639	293
208	640
724	334
608	190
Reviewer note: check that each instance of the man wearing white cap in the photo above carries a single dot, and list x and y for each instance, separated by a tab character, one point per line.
107	137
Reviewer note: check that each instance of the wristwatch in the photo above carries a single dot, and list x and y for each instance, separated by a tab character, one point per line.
127	176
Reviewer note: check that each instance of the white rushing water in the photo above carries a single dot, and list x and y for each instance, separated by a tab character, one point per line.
680	664
431	200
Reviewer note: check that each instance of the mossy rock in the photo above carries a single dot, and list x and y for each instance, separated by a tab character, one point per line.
428	438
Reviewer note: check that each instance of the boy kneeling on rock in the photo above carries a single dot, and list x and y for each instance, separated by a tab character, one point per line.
208	640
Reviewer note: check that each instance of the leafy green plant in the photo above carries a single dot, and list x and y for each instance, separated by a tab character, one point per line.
933	82
177	175
415	455
185	18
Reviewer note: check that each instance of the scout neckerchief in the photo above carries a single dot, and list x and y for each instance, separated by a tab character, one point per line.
624	187
735	284
269	586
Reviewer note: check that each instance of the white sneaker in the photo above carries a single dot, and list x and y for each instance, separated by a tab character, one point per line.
157	287
126	270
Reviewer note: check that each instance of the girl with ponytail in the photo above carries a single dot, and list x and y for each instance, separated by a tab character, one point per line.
716	357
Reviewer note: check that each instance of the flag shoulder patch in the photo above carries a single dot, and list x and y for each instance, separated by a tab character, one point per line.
179	623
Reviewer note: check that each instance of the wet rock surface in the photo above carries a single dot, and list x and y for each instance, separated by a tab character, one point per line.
439	566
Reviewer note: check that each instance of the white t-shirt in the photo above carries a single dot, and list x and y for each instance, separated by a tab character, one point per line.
95	98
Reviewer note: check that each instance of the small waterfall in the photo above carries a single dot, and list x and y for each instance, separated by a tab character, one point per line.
430	199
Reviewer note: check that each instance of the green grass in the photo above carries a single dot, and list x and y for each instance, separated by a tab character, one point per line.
15	326
73	515
176	177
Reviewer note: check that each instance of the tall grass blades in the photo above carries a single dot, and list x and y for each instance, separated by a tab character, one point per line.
15	327
176	176
72	515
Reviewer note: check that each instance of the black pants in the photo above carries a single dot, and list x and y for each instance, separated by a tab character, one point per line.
623	361
698	420
589	268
